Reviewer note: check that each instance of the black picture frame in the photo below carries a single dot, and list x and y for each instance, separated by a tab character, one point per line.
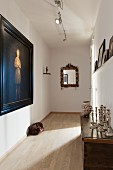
95	65
16	68
105	56
101	52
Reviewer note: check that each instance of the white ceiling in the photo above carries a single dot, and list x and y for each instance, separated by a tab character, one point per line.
78	17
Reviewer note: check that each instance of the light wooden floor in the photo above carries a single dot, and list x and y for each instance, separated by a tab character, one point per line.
59	147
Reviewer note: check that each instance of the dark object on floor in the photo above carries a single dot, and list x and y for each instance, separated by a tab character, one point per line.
35	129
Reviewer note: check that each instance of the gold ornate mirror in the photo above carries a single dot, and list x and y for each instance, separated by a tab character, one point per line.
69	76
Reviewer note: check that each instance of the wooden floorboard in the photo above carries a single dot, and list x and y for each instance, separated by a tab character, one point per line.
59	147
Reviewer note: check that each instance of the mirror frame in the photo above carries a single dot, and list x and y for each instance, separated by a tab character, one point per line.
69	67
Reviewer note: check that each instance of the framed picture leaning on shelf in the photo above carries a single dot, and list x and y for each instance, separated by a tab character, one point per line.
100	54
105	56
111	47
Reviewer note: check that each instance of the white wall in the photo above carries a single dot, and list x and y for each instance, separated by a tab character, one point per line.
41	106
70	99
102	78
13	125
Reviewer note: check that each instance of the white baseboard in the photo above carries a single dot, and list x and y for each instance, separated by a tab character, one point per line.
66	112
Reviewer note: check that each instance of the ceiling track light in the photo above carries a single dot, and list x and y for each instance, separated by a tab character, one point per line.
59	3
59	19
65	36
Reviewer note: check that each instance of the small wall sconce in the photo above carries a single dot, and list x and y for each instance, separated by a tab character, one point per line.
45	71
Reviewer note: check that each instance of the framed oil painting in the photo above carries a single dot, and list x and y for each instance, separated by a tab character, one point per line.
16	64
100	54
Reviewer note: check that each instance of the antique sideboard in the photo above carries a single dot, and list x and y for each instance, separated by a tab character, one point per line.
97	148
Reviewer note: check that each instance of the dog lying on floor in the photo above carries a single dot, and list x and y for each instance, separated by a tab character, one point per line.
35	129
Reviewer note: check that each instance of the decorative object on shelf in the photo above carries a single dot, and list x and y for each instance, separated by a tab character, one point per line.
45	71
16	76
109	131
72	73
86	108
105	119
100	54
111	47
94	123
96	113
103	124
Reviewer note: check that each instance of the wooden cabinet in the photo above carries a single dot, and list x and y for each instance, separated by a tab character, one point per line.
98	149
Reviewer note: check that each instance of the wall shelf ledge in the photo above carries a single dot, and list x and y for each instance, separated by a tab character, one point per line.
47	73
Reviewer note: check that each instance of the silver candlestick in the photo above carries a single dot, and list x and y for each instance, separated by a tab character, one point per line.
93	124
100	124
96	124
96	113
105	127
101	114
109	131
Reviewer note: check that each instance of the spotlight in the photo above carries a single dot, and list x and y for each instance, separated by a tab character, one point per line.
58	20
